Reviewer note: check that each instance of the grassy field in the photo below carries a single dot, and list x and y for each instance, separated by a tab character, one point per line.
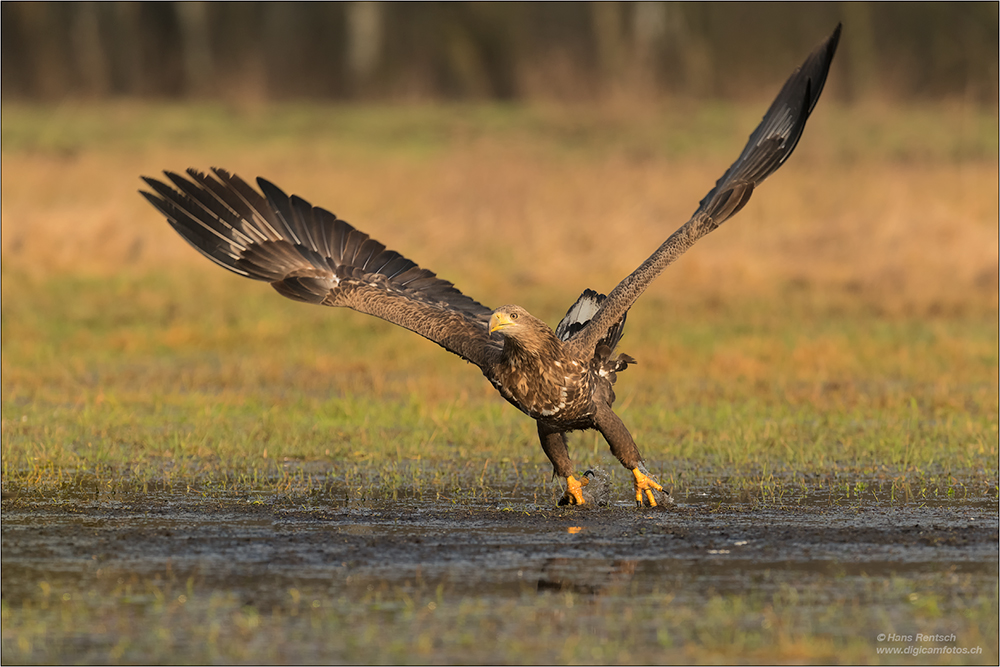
848	317
841	332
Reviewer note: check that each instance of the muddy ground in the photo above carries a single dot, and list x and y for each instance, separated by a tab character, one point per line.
258	549
273	548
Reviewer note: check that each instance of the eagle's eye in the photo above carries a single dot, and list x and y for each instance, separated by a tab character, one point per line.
513	316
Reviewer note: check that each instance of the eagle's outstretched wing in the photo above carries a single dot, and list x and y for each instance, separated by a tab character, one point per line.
767	149
310	255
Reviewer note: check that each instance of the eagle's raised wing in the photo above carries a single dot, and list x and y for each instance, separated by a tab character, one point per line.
308	254
767	149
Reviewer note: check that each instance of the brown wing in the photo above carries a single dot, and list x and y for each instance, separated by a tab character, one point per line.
308	254
767	149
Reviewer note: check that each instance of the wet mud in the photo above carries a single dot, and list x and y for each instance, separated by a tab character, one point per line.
258	548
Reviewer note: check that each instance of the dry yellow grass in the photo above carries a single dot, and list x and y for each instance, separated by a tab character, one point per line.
523	221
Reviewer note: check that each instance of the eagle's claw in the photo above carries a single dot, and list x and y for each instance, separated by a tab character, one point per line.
644	483
574	491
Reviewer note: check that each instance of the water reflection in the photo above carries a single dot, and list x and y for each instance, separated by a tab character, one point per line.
585	576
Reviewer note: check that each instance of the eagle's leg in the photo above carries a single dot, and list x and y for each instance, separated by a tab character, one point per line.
624	449
554	445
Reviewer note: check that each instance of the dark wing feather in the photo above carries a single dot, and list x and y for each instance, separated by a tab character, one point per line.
775	138
767	149
308	254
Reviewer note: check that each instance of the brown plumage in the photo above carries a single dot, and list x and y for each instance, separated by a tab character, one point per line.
563	379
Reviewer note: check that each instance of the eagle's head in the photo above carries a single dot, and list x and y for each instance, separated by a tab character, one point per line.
522	329
515	322
510	321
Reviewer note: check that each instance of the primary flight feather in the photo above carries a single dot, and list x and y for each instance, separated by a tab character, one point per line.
562	379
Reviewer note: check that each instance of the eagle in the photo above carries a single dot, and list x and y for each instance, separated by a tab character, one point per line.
563	379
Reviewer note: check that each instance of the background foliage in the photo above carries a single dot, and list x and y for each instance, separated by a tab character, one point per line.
499	51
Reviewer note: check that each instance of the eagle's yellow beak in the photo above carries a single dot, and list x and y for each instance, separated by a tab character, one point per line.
500	321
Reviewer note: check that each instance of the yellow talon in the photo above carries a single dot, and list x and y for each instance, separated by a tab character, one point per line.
574	491
644	483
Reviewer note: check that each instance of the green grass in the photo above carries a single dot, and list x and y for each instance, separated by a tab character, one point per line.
128	373
679	131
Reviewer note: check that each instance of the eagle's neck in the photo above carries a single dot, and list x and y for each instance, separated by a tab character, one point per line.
541	347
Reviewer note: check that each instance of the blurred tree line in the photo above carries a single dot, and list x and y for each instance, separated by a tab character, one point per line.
498	51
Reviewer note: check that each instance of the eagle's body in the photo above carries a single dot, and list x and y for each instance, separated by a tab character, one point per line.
562	379
540	375
545	383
